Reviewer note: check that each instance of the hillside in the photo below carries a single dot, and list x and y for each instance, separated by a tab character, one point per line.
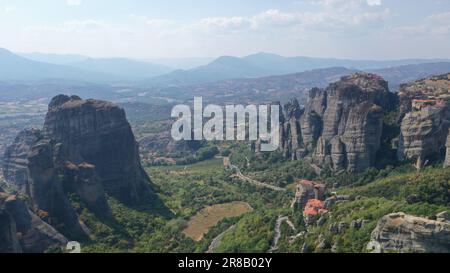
121	68
422	194
16	68
406	73
257	90
265	64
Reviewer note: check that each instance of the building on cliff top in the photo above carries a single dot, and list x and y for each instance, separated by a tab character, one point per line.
419	104
313	210
314	207
307	190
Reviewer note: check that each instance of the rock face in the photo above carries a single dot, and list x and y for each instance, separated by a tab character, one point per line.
291	131
399	232
425	113
9	242
427	89
447	158
15	169
424	135
98	133
30	168
86	148
47	193
25	231
341	126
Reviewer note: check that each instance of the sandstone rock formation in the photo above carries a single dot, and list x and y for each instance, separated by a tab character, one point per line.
424	135
341	126
403	233
98	133
9	242
425	120
86	148
425	89
15	168
447	158
291	131
23	231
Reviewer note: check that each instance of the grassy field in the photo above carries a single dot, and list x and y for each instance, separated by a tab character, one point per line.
199	225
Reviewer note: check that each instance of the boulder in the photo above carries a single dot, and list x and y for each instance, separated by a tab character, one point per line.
443	216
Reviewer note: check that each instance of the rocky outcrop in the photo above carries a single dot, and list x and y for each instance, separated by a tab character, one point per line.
291	131
424	135
341	126
86	148
426	89
447	157
98	133
47	193
403	233
26	231
9	243
30	167
15	168
425	120
83	180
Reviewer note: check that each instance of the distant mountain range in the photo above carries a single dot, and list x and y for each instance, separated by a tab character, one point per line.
407	73
62	59
121	69
284	87
38	67
264	64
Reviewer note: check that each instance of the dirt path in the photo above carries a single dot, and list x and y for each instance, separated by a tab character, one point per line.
277	236
254	182
216	241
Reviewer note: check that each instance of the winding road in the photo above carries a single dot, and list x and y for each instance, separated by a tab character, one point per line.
254	182
277	236
216	241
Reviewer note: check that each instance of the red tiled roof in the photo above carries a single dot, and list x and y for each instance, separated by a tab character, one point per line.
314	207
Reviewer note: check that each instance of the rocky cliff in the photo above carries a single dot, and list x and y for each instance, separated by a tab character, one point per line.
23	231
86	148
98	133
399	232
15	168
447	157
425	120
341	126
30	168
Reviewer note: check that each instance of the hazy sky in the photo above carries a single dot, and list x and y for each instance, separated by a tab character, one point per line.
371	29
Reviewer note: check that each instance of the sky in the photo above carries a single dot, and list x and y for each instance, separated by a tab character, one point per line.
355	29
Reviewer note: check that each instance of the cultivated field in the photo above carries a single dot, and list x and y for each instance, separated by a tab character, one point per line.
199	225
